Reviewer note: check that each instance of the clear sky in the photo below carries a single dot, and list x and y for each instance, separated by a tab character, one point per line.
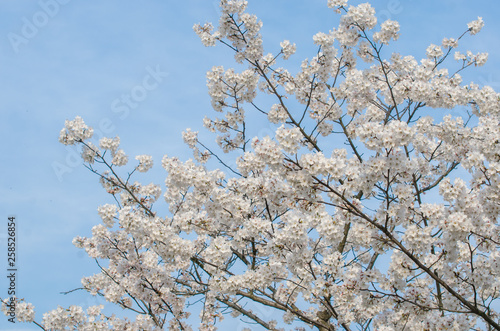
63	58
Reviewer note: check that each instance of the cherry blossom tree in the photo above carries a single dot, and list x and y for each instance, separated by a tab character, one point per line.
361	212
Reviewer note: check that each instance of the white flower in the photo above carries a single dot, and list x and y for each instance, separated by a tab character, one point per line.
277	114
120	158
75	131
450	42
78	242
25	312
324	40
337	3
459	56
151	190
190	138
434	51
109	143
480	59
205	33
94	310
89	152
389	30
362	15
289	139
145	162
107	214
287	48
475	26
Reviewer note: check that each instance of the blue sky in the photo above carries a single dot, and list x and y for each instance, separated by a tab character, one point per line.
86	56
